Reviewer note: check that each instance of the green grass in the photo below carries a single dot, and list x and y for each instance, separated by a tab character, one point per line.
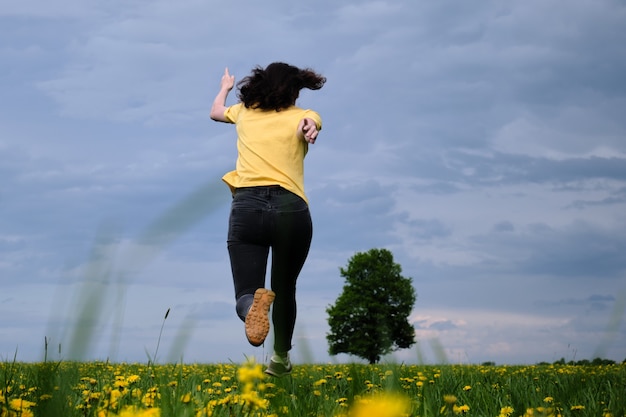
104	389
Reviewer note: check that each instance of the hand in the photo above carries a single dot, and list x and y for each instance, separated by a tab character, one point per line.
228	81
309	130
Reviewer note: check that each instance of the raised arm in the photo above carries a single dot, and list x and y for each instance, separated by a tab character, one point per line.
219	103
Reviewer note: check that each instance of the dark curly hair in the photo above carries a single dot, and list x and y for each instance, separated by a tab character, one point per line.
277	87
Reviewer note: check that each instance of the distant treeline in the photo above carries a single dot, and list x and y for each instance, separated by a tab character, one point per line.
582	362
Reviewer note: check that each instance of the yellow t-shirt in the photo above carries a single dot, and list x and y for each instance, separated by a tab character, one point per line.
269	152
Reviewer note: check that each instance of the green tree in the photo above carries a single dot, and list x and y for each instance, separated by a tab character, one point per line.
370	317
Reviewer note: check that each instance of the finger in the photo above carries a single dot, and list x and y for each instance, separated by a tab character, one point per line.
226	72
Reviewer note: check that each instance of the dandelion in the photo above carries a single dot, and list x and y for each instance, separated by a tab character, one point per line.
253	400
22	407
467	388
548	400
132	411
381	405
120	383
343	401
250	372
149	398
133	378
320	382
449	399
90	381
114	397
450	406
506	411
577	407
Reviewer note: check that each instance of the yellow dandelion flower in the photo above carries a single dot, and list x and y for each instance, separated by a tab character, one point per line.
114	396
449	399
120	384
252	399
467	388
320	382
381	405
132	411
506	411
133	378
548	400
250	372
136	393
20	404
577	407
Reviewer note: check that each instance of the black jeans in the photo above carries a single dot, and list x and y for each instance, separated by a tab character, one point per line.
262	218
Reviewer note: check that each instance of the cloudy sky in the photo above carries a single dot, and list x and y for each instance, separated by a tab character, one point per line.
483	143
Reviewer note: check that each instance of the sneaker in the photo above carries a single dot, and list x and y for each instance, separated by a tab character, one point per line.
279	366
257	320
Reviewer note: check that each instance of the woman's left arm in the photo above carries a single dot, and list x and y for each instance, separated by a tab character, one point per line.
219	103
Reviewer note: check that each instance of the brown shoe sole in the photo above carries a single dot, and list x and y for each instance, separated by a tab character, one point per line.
257	320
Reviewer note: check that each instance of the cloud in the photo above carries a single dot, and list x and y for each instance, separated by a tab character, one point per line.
362	210
595	302
437	324
618	196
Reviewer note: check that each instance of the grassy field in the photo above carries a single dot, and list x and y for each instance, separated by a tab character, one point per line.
65	389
